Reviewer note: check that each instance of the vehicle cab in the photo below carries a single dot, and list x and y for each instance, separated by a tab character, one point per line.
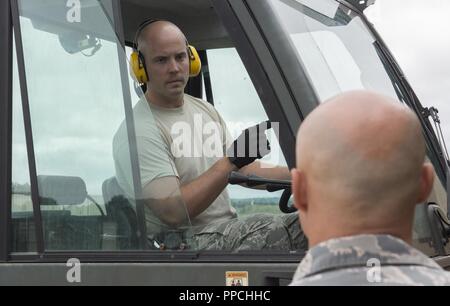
65	89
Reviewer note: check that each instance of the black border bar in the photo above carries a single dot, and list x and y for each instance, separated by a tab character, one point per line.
5	127
28	130
118	26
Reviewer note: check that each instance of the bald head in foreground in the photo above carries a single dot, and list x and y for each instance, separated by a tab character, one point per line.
360	173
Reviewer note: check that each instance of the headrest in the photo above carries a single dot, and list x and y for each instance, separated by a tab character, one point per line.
61	190
111	189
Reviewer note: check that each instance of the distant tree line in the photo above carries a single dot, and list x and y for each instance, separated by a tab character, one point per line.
254	201
21	188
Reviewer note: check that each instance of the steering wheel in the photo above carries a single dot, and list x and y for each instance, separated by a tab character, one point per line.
284	202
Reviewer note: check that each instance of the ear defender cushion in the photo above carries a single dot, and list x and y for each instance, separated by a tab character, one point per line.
138	68
195	64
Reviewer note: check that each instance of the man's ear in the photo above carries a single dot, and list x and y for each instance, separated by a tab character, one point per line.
299	190
426	182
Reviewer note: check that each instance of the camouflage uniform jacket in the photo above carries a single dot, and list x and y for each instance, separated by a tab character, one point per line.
368	260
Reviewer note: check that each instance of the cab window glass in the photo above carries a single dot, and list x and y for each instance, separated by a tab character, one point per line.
340	54
237	101
335	47
84	144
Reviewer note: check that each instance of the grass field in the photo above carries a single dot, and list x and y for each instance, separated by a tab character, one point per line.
244	207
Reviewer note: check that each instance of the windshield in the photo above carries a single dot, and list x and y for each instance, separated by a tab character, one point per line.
339	53
334	47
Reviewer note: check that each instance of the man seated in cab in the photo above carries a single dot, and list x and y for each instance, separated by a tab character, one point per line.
189	191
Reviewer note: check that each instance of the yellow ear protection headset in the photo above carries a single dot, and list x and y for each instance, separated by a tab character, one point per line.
137	60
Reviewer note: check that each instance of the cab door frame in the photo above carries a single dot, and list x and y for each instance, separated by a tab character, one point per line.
270	83
11	21
39	233
5	127
118	27
276	99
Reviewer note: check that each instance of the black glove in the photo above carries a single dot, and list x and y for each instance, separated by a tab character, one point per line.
252	144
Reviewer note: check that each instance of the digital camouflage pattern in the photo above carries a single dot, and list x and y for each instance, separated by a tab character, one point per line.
257	232
368	260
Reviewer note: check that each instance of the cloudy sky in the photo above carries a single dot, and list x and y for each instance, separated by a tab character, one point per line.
417	33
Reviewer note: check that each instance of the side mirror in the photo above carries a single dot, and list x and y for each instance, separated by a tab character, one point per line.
74	42
439	225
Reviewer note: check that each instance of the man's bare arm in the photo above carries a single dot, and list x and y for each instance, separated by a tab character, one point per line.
202	191
266	171
173	204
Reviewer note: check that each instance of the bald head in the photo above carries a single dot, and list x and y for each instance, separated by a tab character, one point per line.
164	48
363	145
361	155
159	32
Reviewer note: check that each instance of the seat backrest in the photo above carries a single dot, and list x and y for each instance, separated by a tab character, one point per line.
120	210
